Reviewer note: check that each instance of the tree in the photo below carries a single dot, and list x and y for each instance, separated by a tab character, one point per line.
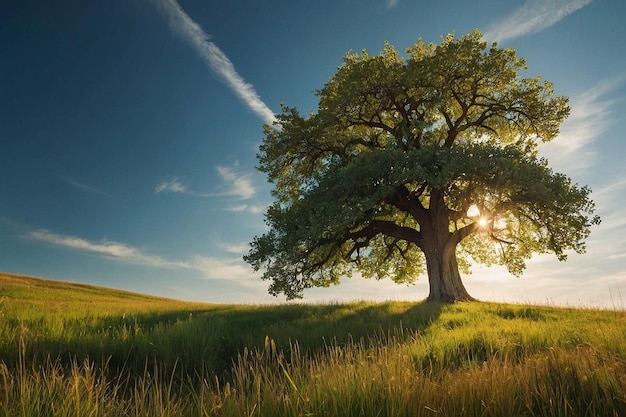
424	162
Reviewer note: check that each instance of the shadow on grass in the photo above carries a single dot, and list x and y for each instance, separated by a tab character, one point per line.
194	342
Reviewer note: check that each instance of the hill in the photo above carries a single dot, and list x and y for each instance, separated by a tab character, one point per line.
25	292
26	287
73	349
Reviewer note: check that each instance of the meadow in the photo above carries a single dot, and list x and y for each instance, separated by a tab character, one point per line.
77	350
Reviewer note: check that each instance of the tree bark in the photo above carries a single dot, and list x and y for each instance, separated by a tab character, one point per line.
439	247
444	278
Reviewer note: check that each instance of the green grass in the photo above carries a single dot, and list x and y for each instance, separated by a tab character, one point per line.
76	350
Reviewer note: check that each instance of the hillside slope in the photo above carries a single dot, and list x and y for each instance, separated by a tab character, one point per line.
39	296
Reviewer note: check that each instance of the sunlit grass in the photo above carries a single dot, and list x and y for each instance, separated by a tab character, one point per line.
93	352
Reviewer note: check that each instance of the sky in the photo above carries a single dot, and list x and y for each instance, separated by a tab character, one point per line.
129	131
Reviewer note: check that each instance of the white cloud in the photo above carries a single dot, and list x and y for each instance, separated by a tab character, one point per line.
589	118
534	16
257	209
240	185
110	249
213	57
173	185
222	268
237	185
247	208
238	248
230	268
234	270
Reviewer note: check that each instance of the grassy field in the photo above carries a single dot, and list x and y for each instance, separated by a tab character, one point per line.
76	350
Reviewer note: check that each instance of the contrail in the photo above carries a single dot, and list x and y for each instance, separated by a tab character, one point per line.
213	57
534	16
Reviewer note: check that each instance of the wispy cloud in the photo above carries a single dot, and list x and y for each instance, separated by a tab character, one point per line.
231	269
236	248
254	209
240	185
390	4
81	186
174	186
110	249
235	184
534	16
606	194
211	267
590	117
213	57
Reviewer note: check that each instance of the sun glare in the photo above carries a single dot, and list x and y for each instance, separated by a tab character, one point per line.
474	213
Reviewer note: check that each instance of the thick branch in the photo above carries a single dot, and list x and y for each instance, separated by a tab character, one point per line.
388	228
406	201
463	232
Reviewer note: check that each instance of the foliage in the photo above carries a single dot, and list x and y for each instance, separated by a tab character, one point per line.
381	178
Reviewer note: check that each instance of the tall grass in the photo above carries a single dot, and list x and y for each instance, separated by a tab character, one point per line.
373	378
153	357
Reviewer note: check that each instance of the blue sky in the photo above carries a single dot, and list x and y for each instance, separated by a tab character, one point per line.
129	131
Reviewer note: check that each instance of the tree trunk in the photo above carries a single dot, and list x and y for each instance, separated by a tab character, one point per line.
444	278
439	247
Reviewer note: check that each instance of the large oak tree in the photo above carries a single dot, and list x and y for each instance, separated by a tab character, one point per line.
419	162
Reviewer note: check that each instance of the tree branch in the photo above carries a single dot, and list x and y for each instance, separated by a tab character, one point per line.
388	228
463	232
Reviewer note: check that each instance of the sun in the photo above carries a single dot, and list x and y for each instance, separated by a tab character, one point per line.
482	222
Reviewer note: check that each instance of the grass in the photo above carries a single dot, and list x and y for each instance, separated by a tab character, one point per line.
75	350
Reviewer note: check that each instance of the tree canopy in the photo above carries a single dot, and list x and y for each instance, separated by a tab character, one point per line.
418	163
